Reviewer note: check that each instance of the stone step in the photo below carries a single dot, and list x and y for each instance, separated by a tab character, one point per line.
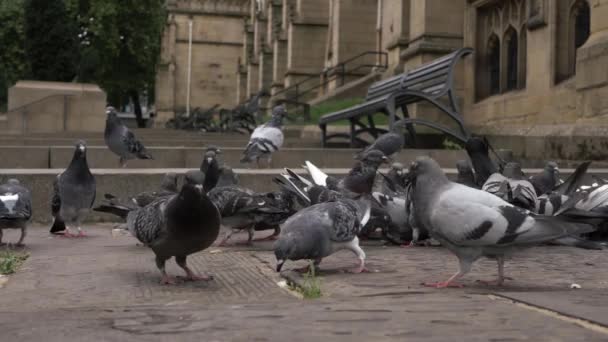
191	157
127	182
153	142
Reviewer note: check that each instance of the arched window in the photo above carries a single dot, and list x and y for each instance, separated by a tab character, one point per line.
582	23
493	64
523	58
511	58
573	30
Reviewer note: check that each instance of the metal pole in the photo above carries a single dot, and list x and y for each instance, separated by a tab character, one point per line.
189	77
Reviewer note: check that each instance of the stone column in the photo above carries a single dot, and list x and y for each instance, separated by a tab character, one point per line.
592	63
307	34
394	32
436	29
165	77
353	32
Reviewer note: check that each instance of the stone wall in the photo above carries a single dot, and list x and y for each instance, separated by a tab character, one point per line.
48	107
217	42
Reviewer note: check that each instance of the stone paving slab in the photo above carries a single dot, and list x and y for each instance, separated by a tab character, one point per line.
101	270
106	289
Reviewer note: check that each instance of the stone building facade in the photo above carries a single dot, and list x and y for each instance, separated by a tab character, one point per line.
217	40
540	67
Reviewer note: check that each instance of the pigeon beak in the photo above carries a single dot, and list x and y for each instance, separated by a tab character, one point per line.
81	148
385	159
400	173
280	265
209	160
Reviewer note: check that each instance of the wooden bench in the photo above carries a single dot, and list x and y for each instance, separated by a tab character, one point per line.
430	82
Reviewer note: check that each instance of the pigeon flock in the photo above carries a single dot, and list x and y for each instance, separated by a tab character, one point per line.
490	210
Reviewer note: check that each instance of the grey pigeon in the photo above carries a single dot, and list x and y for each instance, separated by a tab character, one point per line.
323	229
512	187
388	143
15	208
211	168
472	223
168	187
243	209
194	177
266	139
547	179
465	174
396	176
174	226
73	194
121	140
211	173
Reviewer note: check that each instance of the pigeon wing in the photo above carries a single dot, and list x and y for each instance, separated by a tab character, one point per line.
345	221
148	224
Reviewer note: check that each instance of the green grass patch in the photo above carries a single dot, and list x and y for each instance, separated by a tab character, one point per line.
11	260
317	111
450	144
311	286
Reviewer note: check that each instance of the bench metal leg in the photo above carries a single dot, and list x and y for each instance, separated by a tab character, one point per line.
410	127
352	133
372	126
323	135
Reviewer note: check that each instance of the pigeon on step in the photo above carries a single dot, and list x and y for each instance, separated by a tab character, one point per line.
121	140
472	223
323	229
227	176
15	208
211	168
266	139
175	226
73	194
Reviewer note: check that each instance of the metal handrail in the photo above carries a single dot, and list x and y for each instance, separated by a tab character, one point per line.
341	67
25	106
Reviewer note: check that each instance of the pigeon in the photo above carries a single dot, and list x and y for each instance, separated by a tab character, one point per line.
168	187
121	140
73	194
218	174
194	177
478	151
512	187
388	143
323	229
173	226
465	174
211	168
472	223
396	176
546	180
15	208
266	139
243	209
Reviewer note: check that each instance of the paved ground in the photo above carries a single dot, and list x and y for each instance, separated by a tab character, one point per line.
105	288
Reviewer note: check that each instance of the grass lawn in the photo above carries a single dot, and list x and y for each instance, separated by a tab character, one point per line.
333	106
